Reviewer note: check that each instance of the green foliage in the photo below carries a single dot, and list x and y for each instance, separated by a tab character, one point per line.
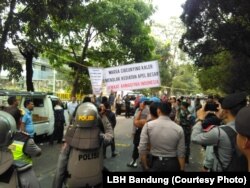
11	64
214	27
185	81
26	24
101	31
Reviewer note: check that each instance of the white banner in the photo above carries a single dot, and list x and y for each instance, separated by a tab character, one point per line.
96	78
132	76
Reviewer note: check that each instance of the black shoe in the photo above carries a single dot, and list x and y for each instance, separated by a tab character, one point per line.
132	164
114	154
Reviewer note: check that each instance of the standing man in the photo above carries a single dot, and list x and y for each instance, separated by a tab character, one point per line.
112	100
127	107
166	140
118	104
58	124
23	148
71	108
14	110
112	119
243	137
80	162
8	174
185	123
218	136
142	114
98	100
27	123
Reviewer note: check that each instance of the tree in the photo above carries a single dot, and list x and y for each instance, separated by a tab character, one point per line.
215	28
34	30
185	81
171	58
7	60
27	25
105	31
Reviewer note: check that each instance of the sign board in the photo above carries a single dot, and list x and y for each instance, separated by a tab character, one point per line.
96	78
132	76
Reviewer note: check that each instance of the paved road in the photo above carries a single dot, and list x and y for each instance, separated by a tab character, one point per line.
44	165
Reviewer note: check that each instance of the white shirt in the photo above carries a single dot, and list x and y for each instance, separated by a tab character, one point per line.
71	107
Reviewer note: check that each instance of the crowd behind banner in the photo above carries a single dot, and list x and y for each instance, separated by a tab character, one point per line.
163	129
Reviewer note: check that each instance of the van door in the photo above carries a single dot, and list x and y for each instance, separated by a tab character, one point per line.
42	114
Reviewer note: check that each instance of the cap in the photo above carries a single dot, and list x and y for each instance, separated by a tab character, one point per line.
209	122
233	100
143	99
242	122
155	99
185	104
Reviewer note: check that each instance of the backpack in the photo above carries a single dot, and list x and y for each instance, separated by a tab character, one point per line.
238	161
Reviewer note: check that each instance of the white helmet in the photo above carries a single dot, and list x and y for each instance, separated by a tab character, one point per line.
7	129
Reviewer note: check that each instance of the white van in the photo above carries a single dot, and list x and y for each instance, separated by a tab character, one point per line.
43	113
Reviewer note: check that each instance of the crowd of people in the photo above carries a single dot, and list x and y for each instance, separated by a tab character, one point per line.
163	129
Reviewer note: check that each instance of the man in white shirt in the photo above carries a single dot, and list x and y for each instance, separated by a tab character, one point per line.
71	108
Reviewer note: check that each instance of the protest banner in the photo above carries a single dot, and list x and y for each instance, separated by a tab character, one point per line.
96	79
132	76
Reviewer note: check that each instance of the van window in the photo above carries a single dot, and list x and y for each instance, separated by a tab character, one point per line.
38	102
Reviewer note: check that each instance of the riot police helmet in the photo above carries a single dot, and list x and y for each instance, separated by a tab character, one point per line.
7	129
86	115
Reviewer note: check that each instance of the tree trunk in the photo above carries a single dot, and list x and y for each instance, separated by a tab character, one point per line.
29	72
6	30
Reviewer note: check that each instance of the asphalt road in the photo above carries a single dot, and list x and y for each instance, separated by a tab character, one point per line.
45	165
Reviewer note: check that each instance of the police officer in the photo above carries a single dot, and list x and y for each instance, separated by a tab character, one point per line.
23	148
8	174
142	114
80	162
242	127
217	136
166	141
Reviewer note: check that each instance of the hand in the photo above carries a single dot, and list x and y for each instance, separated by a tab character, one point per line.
146	168
104	140
201	114
204	170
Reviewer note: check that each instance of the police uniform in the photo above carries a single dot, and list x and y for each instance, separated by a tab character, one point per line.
8	172
217	136
166	139
242	122
80	162
23	148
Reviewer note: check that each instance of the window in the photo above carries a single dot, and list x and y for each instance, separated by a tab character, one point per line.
38	102
43	68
